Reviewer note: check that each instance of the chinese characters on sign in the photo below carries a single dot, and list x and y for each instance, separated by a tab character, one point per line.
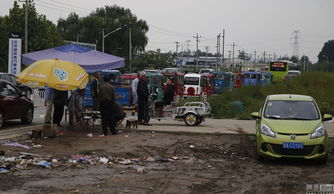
14	56
320	188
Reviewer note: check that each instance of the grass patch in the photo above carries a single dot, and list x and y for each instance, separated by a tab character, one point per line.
319	85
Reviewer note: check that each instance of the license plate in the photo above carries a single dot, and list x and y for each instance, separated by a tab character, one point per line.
293	145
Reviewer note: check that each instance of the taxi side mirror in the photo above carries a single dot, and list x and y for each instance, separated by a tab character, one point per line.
256	115
327	117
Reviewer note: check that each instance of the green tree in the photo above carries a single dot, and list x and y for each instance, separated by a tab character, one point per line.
327	52
305	60
294	59
153	60
89	29
43	33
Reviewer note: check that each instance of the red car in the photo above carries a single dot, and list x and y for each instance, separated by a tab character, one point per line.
14	104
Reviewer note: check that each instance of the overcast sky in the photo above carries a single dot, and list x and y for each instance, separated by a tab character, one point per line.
261	25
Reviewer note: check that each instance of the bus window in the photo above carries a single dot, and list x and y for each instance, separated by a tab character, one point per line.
278	66
191	81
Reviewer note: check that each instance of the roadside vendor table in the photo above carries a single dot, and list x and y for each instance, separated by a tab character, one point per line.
90	116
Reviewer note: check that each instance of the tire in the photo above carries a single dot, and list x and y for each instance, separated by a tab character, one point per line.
261	158
190	119
199	121
323	161
28	117
1	119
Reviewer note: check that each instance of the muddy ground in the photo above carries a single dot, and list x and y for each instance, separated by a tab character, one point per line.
146	162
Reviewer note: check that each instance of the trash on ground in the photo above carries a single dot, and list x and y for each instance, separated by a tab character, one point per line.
16	144
103	160
161	159
29	154
37	146
140	170
44	163
191	146
125	162
90	135
3	170
150	159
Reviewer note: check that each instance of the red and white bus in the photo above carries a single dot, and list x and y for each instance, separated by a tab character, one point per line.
198	84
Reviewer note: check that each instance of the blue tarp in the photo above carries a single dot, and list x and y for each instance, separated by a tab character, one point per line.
89	59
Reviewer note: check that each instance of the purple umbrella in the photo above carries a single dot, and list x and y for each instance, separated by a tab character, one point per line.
89	59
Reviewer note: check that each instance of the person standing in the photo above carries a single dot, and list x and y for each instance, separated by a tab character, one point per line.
169	92
95	90
59	102
134	86
143	94
49	105
76	106
107	104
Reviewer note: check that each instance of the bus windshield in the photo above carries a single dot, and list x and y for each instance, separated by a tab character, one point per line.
191	81
278	66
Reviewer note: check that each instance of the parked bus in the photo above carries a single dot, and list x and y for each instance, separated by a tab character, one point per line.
222	81
279	69
251	78
198	84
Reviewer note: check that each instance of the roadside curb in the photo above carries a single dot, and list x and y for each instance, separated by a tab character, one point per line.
17	134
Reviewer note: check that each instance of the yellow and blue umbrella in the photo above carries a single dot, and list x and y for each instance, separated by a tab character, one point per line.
57	74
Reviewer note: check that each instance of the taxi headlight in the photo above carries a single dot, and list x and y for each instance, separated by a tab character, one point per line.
267	131
319	132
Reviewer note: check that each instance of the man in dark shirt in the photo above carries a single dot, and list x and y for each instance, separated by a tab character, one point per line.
59	102
107	104
168	92
143	94
95	90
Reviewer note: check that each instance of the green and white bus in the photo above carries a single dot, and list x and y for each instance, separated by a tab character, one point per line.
279	69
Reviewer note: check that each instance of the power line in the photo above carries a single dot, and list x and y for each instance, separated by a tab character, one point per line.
61	3
168	34
169	31
58	9
59	6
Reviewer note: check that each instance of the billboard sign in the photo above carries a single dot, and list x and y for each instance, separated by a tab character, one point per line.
14	54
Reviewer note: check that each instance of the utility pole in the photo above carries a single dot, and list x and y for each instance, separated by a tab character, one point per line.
130	48
264	58
197	40
103	40
26	24
176	51
206	56
177	47
233	45
255	56
229	57
223	46
218	50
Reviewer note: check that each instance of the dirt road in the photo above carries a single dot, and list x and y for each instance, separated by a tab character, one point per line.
156	162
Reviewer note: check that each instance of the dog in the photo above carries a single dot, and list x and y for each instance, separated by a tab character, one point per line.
131	122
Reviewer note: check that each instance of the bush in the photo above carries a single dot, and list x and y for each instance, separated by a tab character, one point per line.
319	85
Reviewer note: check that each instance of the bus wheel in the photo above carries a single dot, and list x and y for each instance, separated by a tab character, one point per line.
190	119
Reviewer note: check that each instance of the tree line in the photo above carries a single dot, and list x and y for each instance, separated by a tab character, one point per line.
44	34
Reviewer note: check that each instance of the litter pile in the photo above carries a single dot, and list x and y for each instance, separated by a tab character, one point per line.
27	160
